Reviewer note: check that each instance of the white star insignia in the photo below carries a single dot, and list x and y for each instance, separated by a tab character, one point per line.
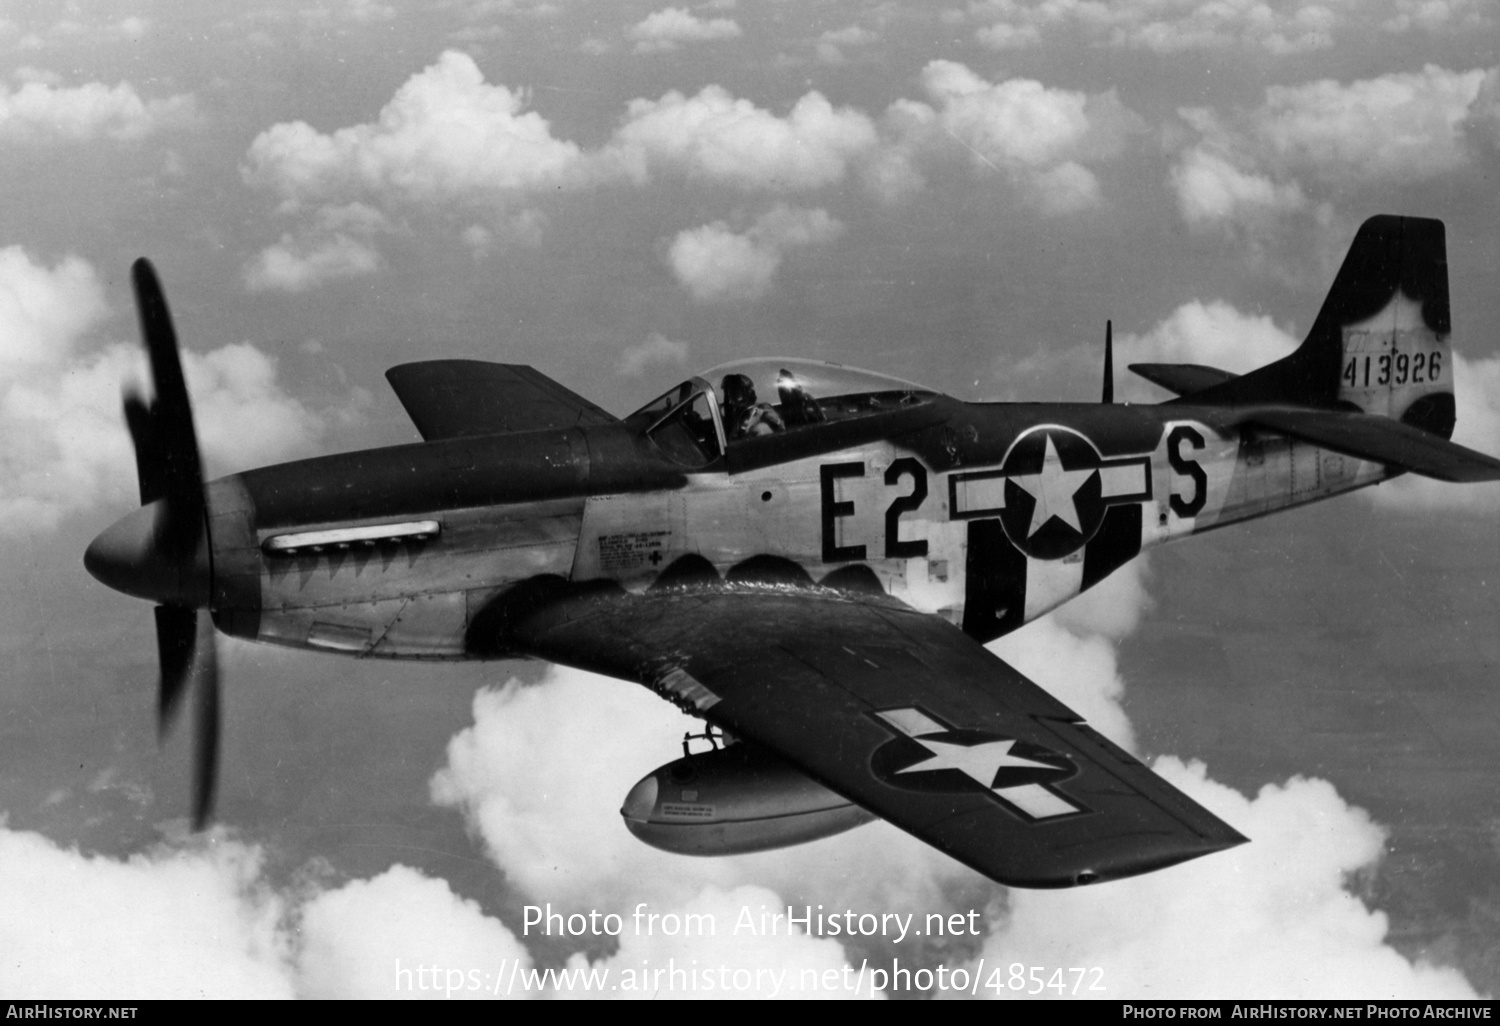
1053	489
980	762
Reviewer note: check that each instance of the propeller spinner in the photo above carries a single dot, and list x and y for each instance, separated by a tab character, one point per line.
161	551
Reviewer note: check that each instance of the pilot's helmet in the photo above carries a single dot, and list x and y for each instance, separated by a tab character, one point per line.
738	390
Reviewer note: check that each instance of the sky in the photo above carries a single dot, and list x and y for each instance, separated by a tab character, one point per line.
621	194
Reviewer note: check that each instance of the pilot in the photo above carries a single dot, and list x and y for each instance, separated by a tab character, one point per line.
743	416
797	406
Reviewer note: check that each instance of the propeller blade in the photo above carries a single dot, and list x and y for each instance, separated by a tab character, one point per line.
206	761
142	436
176	640
166	445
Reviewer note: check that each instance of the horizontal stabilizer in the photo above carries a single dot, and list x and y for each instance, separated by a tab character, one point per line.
1381	440
464	398
1182	378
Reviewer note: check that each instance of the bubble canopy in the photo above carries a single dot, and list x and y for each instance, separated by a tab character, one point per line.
819	380
749	400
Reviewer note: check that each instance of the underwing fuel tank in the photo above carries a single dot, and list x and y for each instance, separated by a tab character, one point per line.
733	800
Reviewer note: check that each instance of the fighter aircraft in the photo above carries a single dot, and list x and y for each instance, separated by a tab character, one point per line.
806	556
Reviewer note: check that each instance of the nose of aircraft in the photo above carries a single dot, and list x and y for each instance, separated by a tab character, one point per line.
128	556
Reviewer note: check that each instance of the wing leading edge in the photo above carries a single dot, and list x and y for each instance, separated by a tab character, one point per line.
900	712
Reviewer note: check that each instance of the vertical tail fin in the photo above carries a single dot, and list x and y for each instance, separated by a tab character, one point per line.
1380	343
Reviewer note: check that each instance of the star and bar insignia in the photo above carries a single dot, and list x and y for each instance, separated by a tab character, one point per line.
931	756
1051	491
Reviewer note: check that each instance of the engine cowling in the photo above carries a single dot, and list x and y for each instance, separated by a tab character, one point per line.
733	800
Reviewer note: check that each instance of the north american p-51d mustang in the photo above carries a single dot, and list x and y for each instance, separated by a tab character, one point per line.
808	557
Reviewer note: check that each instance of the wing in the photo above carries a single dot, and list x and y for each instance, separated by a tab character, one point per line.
1370	437
461	398
1182	378
900	712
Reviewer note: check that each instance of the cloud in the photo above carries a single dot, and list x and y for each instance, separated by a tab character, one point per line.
67	446
448	144
43	111
1017	122
656	350
1253	920
830	45
714	137
717	265
1211	191
193	919
1164	26
668	29
446	135
1438	16
1397	127
1039	138
1212	333
403	935
1476	392
189	923
1249	167
1270	918
551	820
298	264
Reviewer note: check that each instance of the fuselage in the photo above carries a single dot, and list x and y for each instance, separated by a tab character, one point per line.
989	514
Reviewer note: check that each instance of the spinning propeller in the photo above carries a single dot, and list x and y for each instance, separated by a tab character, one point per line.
161	552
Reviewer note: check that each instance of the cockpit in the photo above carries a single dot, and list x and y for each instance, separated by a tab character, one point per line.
764	407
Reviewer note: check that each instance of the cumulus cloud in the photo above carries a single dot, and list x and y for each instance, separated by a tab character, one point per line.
668	29
372	939
551	820
1272	917
1439	15
1476	392
1212	191
830	45
172	924
73	30
1399	127
717	265
194	919
1212	333
657	350
1248	167
714	137
296	264
445	135
1164	26
43	111
67	447
1040	138
1255	919
447	144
